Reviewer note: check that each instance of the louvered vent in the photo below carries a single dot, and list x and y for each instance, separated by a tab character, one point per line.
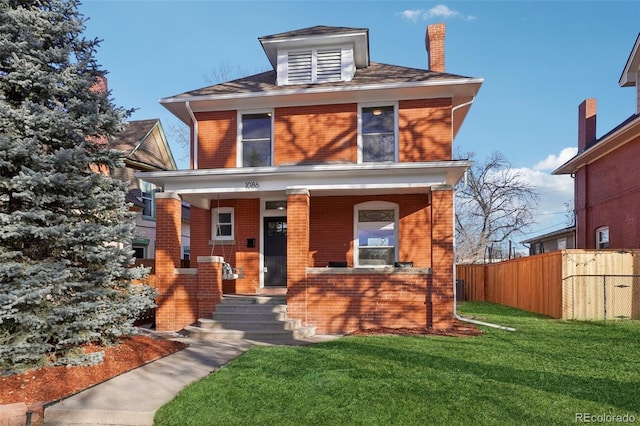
299	67
328	65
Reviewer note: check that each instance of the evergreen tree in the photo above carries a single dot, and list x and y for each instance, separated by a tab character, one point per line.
65	229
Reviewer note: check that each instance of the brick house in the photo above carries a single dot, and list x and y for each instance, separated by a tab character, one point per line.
329	179
607	191
145	148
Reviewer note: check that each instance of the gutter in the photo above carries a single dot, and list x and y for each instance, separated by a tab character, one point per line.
187	105
455	295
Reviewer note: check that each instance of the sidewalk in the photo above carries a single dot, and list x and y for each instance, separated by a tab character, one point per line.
133	397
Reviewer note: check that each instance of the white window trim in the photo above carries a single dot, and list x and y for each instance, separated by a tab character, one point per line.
360	141
214	224
374	205
599	232
239	146
142	184
144	247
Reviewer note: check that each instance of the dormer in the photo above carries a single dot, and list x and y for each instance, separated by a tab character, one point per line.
317	54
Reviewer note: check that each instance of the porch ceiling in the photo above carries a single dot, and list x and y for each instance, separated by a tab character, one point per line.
199	187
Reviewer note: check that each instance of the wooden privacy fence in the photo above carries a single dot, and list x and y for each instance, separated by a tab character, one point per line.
551	283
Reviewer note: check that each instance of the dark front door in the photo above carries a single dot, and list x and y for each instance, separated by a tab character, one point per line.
275	251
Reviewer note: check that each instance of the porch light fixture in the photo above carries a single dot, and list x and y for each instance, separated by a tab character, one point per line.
377	111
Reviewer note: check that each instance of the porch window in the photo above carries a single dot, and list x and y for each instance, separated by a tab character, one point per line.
378	134
255	143
602	237
375	234
140	247
140	252
223	223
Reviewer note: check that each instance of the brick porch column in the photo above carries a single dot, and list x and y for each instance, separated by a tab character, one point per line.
168	230
440	293
297	250
209	284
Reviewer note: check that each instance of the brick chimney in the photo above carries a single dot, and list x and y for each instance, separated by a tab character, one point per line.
434	42
586	123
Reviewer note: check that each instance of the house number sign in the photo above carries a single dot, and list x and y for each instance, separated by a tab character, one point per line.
251	184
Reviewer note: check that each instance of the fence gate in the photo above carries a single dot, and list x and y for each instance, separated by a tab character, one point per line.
601	297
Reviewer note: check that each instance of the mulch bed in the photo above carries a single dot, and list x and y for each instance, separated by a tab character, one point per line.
49	384
459	329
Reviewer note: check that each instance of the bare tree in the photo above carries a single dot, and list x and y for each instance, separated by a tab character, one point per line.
177	130
570	213
224	72
492	205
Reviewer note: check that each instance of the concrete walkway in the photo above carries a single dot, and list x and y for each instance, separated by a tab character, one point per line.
133	397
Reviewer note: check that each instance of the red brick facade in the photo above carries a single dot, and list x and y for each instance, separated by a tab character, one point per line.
316	134
184	295
608	195
425	117
339	303
217	139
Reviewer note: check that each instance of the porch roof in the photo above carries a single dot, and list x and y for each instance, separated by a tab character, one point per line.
199	187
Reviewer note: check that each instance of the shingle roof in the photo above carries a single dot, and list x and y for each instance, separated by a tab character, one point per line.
133	134
132	140
134	196
375	74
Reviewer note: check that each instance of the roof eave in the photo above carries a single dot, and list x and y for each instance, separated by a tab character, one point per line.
359	37
602	147
458	87
628	77
201	185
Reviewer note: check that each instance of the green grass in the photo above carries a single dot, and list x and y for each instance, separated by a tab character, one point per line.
544	373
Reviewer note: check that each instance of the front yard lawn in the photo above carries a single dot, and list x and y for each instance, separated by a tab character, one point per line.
547	372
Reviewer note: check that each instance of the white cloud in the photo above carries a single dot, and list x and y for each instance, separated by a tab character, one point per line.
553	161
411	15
555	193
440	11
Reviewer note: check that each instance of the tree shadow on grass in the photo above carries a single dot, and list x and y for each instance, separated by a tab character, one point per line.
617	393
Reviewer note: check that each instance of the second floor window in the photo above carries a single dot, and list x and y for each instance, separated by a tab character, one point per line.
256	140
378	134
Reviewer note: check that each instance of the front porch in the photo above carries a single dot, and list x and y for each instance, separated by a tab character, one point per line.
335	300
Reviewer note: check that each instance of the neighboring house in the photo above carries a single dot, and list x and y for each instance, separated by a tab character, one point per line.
561	239
329	179
607	189
145	149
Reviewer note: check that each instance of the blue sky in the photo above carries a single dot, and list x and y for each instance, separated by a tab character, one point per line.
539	61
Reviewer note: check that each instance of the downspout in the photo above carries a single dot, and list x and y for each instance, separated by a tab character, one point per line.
453	109
455	292
195	134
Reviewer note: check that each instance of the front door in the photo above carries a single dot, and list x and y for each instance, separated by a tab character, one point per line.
275	251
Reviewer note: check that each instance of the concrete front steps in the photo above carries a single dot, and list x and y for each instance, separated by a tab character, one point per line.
258	318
